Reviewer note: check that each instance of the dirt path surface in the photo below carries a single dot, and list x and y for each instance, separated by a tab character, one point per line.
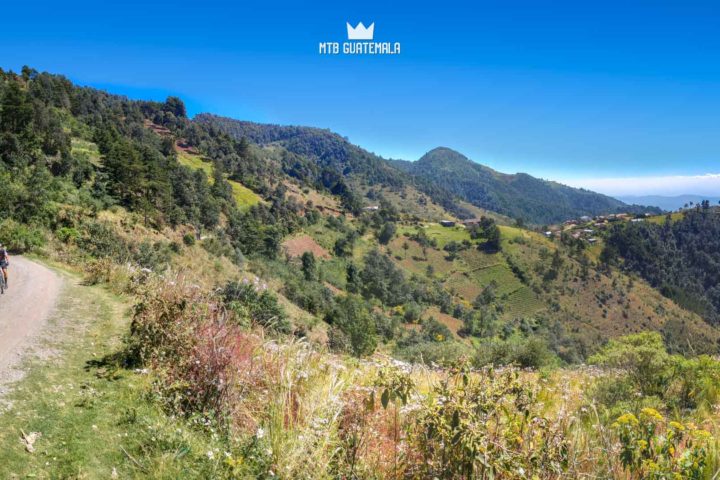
24	310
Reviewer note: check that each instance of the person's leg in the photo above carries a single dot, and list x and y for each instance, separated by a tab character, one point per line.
5	274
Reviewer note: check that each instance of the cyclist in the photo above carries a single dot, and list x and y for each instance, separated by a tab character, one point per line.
4	262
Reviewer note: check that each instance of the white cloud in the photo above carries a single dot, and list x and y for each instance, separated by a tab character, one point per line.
707	184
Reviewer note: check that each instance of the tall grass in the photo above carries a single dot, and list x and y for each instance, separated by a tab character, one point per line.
287	409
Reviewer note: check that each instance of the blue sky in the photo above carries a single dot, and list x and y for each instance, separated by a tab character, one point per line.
616	97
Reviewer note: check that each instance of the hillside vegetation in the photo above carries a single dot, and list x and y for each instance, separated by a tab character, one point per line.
297	302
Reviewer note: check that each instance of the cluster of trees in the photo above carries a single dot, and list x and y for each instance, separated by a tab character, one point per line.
680	258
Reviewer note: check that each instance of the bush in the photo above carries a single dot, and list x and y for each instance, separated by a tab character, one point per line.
155	256
189	239
652	447
437	353
254	300
67	234
642	356
100	240
20	238
351	317
530	352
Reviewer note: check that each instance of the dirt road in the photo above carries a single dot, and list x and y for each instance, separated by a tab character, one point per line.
24	309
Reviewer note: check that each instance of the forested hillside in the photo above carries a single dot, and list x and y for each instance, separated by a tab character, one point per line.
297	301
679	257
517	196
444	175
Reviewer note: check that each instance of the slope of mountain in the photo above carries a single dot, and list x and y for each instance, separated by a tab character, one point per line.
444	175
667	202
681	258
519	195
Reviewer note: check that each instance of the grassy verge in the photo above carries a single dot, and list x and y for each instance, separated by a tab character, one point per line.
94	417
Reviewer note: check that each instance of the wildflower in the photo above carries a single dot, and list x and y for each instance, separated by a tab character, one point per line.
210	454
260	433
626	419
701	434
651	413
677	426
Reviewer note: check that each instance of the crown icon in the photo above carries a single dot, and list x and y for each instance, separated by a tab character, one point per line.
360	32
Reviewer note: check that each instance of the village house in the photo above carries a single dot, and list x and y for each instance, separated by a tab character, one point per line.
471	222
447	223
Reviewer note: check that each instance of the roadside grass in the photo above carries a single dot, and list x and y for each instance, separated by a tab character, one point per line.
94	416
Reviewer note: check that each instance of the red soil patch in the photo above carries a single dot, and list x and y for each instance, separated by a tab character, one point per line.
304	243
182	146
159	129
449	321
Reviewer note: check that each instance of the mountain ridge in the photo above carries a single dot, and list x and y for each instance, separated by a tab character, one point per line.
443	174
517	195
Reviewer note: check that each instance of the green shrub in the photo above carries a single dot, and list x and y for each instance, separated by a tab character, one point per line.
100	240
67	234
351	317
258	303
20	238
155	256
642	356
189	239
651	447
532	352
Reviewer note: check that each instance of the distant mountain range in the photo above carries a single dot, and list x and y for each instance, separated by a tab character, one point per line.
667	202
443	174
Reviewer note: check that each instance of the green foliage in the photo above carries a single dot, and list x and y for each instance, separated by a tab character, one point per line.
20	238
649	371
254	301
386	233
353	326
486	426
309	266
680	258
532	352
381	279
642	356
653	448
189	239
67	234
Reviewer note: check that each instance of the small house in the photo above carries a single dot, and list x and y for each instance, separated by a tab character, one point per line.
447	223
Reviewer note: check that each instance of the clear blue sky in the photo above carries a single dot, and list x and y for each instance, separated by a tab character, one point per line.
578	91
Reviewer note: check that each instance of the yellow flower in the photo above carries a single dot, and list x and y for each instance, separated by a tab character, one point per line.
626	419
701	434
651	413
677	426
